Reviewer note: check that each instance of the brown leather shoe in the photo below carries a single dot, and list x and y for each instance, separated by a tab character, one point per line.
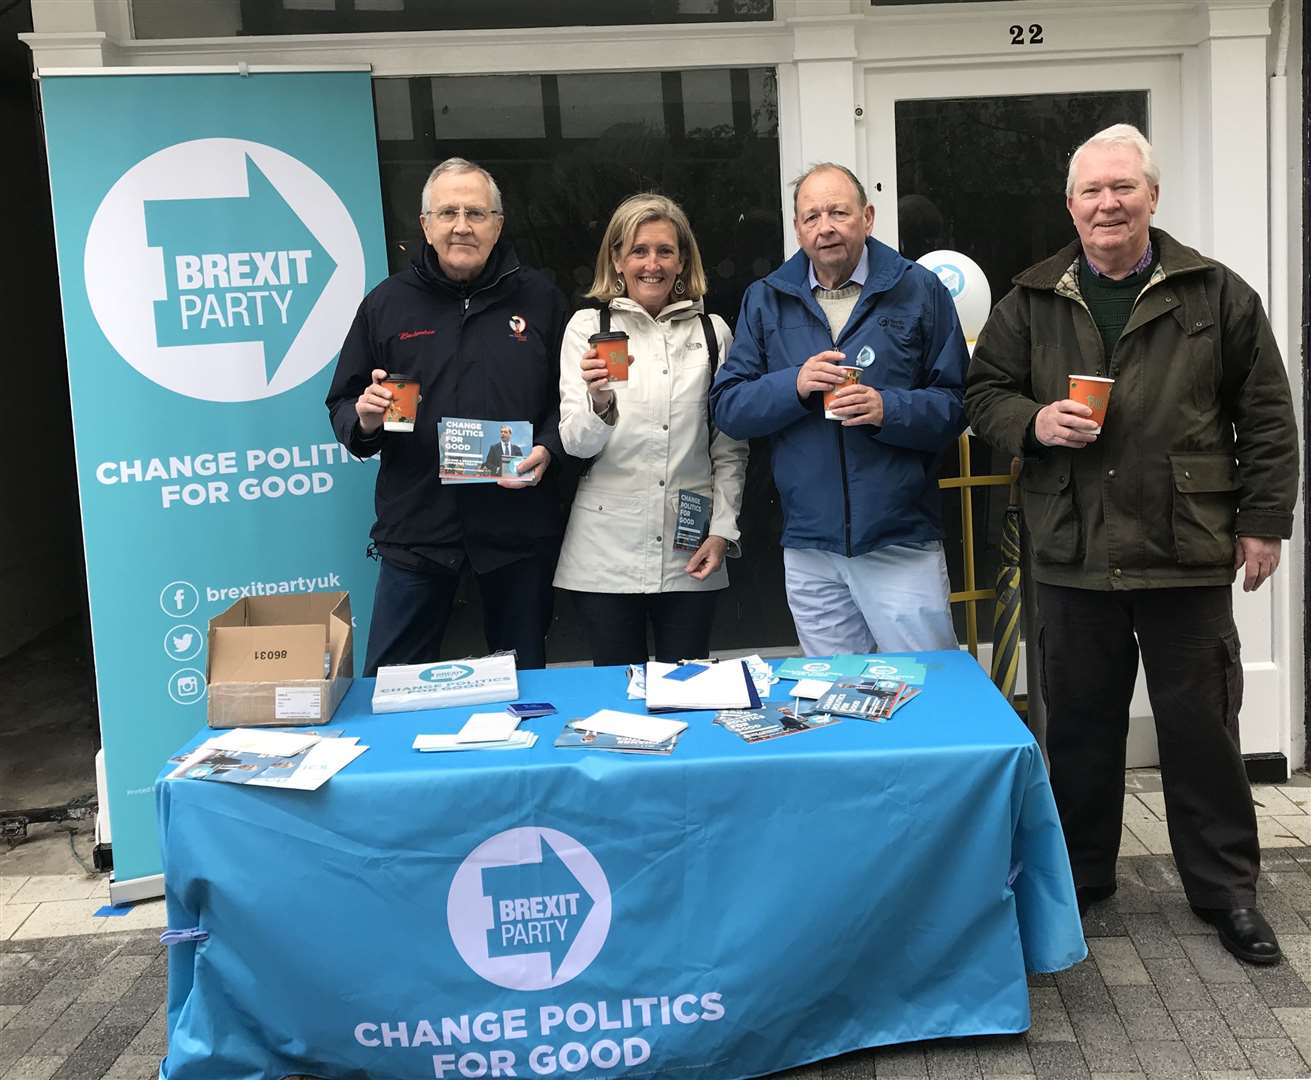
1244	932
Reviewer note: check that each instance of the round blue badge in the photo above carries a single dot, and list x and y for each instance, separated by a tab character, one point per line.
865	357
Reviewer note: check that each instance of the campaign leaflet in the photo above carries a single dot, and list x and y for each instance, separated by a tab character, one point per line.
576	738
830	668
693	525
866	698
481	451
821	667
772	721
306	770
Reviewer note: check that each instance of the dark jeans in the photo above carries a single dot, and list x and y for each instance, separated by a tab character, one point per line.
615	624
411	610
1189	646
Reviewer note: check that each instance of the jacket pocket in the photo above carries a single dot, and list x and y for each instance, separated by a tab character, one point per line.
1203	507
1050	510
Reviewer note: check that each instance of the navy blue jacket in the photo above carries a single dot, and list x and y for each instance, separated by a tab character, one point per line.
489	350
850	490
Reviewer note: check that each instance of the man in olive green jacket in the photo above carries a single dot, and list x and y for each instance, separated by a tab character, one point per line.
1137	530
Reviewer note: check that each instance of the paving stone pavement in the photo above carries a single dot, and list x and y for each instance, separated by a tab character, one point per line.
1157	999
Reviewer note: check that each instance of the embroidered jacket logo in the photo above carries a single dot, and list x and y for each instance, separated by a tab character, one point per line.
405	335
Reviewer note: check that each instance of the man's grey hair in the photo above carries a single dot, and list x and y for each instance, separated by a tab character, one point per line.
1118	135
824	166
460	165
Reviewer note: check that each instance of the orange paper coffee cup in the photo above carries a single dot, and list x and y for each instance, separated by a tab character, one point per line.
404	407
613	349
1093	391
851	376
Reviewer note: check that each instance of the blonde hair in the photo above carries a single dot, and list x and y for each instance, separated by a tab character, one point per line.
629	216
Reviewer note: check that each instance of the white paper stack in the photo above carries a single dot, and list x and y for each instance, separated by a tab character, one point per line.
482	731
257	757
725	685
631	725
411	687
432	744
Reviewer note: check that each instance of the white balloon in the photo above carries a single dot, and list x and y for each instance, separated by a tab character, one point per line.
968	286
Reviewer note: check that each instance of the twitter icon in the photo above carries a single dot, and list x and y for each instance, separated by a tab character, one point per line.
182	642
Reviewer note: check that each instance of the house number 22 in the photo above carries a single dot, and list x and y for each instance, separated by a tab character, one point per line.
1034	35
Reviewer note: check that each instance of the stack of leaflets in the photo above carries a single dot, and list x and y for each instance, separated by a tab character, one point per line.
259	757
828	668
872	687
773	721
624	733
482	731
409	687
481	451
867	698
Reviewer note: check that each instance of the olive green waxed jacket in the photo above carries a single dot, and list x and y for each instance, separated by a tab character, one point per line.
1199	443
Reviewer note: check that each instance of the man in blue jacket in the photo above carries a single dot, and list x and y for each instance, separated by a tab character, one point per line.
862	531
481	333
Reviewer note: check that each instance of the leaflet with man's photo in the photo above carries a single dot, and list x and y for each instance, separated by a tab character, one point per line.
866	698
481	451
774	720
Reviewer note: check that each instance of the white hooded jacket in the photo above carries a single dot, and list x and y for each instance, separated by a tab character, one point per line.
658	442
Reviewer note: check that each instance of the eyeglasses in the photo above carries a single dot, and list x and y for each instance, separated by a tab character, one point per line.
473	215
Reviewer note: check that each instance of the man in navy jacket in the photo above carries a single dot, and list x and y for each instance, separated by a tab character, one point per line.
482	335
862	533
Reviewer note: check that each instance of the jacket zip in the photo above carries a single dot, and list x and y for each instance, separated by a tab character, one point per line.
490	285
846	495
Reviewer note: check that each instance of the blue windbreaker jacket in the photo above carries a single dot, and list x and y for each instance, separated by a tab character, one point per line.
850	490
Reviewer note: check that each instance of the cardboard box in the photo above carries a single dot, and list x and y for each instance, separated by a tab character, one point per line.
280	660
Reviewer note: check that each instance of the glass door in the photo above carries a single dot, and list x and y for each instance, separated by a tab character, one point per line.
974	160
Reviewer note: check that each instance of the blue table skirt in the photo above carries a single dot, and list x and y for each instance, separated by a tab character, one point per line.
723	912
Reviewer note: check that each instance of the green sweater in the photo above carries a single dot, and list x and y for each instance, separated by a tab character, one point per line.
1111	302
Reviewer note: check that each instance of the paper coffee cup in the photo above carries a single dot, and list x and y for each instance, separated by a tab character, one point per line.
1093	391
404	405
613	349
851	376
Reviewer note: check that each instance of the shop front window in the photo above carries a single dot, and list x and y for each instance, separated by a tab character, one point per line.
227	18
565	151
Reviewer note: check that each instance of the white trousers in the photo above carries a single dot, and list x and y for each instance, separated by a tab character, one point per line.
894	599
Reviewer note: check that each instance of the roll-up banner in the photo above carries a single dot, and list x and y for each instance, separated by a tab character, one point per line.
216	232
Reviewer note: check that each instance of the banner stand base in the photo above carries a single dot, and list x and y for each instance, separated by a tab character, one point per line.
142	888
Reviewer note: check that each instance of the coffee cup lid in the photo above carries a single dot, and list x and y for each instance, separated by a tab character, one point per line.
393	376
613	335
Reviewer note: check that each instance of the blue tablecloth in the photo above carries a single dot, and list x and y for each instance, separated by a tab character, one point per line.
722	912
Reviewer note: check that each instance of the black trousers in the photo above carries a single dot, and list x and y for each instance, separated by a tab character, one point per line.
1189	645
615	625
411	610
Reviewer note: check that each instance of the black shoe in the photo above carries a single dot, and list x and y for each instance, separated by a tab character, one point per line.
1087	895
1244	932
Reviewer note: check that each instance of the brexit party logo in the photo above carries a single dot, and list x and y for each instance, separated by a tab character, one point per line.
446	673
529	909
224	269
953	277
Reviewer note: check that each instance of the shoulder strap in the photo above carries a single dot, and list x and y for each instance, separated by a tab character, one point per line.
712	342
605	319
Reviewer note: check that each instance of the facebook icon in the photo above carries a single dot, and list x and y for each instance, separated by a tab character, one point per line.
178	598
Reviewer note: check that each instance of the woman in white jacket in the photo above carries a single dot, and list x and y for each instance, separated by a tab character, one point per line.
652	448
